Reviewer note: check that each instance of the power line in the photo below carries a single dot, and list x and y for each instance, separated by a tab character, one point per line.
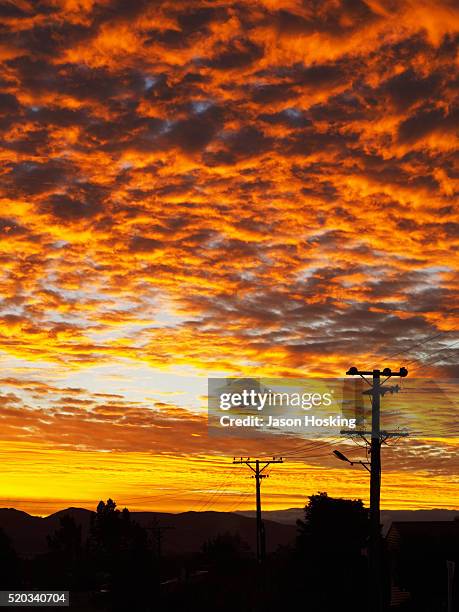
417	343
217	493
305	458
311	446
304	447
242	497
404	351
446	348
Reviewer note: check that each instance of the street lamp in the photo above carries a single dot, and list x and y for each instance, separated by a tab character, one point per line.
342	457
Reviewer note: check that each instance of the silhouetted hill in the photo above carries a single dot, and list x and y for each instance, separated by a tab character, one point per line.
291	515
82	517
27	533
191	529
188	530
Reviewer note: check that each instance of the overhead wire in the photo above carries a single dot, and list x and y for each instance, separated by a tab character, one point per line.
421	343
217	493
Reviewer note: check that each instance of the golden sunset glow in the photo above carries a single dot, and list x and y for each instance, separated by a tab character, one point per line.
208	188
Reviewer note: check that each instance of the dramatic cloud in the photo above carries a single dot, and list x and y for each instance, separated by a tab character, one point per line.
188	188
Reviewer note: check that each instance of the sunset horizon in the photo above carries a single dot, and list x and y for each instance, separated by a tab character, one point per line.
194	190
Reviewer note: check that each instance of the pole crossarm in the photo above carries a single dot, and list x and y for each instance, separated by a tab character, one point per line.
384	434
385	372
383	390
249	462
267	461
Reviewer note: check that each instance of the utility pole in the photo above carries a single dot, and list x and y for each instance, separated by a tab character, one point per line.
258	475
375	391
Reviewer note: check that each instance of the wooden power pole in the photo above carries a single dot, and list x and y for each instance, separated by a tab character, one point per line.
258	475
376	390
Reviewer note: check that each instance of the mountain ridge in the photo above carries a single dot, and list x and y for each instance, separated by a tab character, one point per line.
188	530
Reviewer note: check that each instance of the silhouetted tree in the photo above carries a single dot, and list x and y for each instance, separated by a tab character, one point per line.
331	522
118	547
330	544
66	554
66	540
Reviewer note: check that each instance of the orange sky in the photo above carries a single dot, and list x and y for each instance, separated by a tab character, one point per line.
208	188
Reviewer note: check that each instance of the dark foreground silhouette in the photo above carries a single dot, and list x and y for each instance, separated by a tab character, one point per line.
111	562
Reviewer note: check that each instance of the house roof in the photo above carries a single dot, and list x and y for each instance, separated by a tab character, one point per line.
442	535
